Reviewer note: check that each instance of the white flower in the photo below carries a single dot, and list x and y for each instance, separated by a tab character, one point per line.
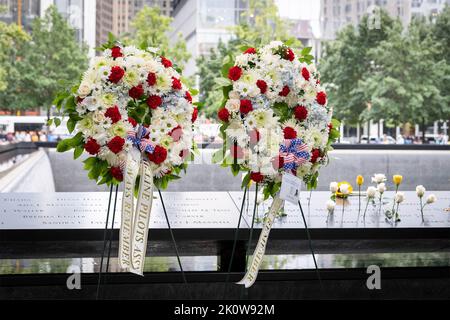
84	89
431	198
379	178
420	191
233	105
371	191
331	205
399	197
381	187
333	187
304	169
344	189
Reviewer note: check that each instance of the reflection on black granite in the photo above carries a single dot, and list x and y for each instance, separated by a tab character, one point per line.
210	263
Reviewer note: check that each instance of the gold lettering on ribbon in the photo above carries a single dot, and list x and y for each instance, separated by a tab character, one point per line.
252	272
131	171
142	219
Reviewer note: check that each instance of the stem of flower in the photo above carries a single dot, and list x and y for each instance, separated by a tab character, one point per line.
359	199
421	209
365	210
393	201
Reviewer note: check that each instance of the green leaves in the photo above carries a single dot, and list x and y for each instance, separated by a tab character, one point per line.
222	82
282	110
306	56
70	143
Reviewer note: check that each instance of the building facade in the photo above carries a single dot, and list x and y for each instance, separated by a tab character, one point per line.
20	12
203	23
336	14
81	16
116	16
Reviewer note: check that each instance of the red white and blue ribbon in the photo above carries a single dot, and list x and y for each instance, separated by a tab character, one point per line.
294	153
138	139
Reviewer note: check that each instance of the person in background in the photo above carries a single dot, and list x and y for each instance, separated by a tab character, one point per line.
400	139
42	136
34	136
27	137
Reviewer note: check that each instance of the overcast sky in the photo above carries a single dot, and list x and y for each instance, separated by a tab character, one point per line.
299	9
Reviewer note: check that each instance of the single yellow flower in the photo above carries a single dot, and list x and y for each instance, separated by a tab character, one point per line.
348	189
359	180
397	179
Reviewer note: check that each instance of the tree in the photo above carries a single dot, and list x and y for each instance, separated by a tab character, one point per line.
257	26
404	81
51	60
346	62
150	27
12	37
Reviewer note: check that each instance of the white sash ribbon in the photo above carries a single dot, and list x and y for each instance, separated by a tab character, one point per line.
134	225
252	272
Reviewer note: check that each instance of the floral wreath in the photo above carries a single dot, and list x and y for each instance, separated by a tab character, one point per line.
129	97
275	117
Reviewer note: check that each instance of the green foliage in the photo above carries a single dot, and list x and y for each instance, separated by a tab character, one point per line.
150	29
346	62
12	38
258	25
397	74
44	65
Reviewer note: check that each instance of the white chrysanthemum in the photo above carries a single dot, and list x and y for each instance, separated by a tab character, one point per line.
242	60
304	169
316	138
236	131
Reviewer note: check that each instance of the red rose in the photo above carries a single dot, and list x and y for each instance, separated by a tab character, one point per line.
285	91
315	153
277	162
91	146
236	152
223	114
158	155
176	83
250	51
116	52
116	74
321	98
234	73
132	121
188	96
262	85
113	113
116	172
289	55
154	101
289	133
116	144
166	62
246	106
256	176
151	79
330	126
300	113
305	74
176	133
136	92
194	115
254	136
